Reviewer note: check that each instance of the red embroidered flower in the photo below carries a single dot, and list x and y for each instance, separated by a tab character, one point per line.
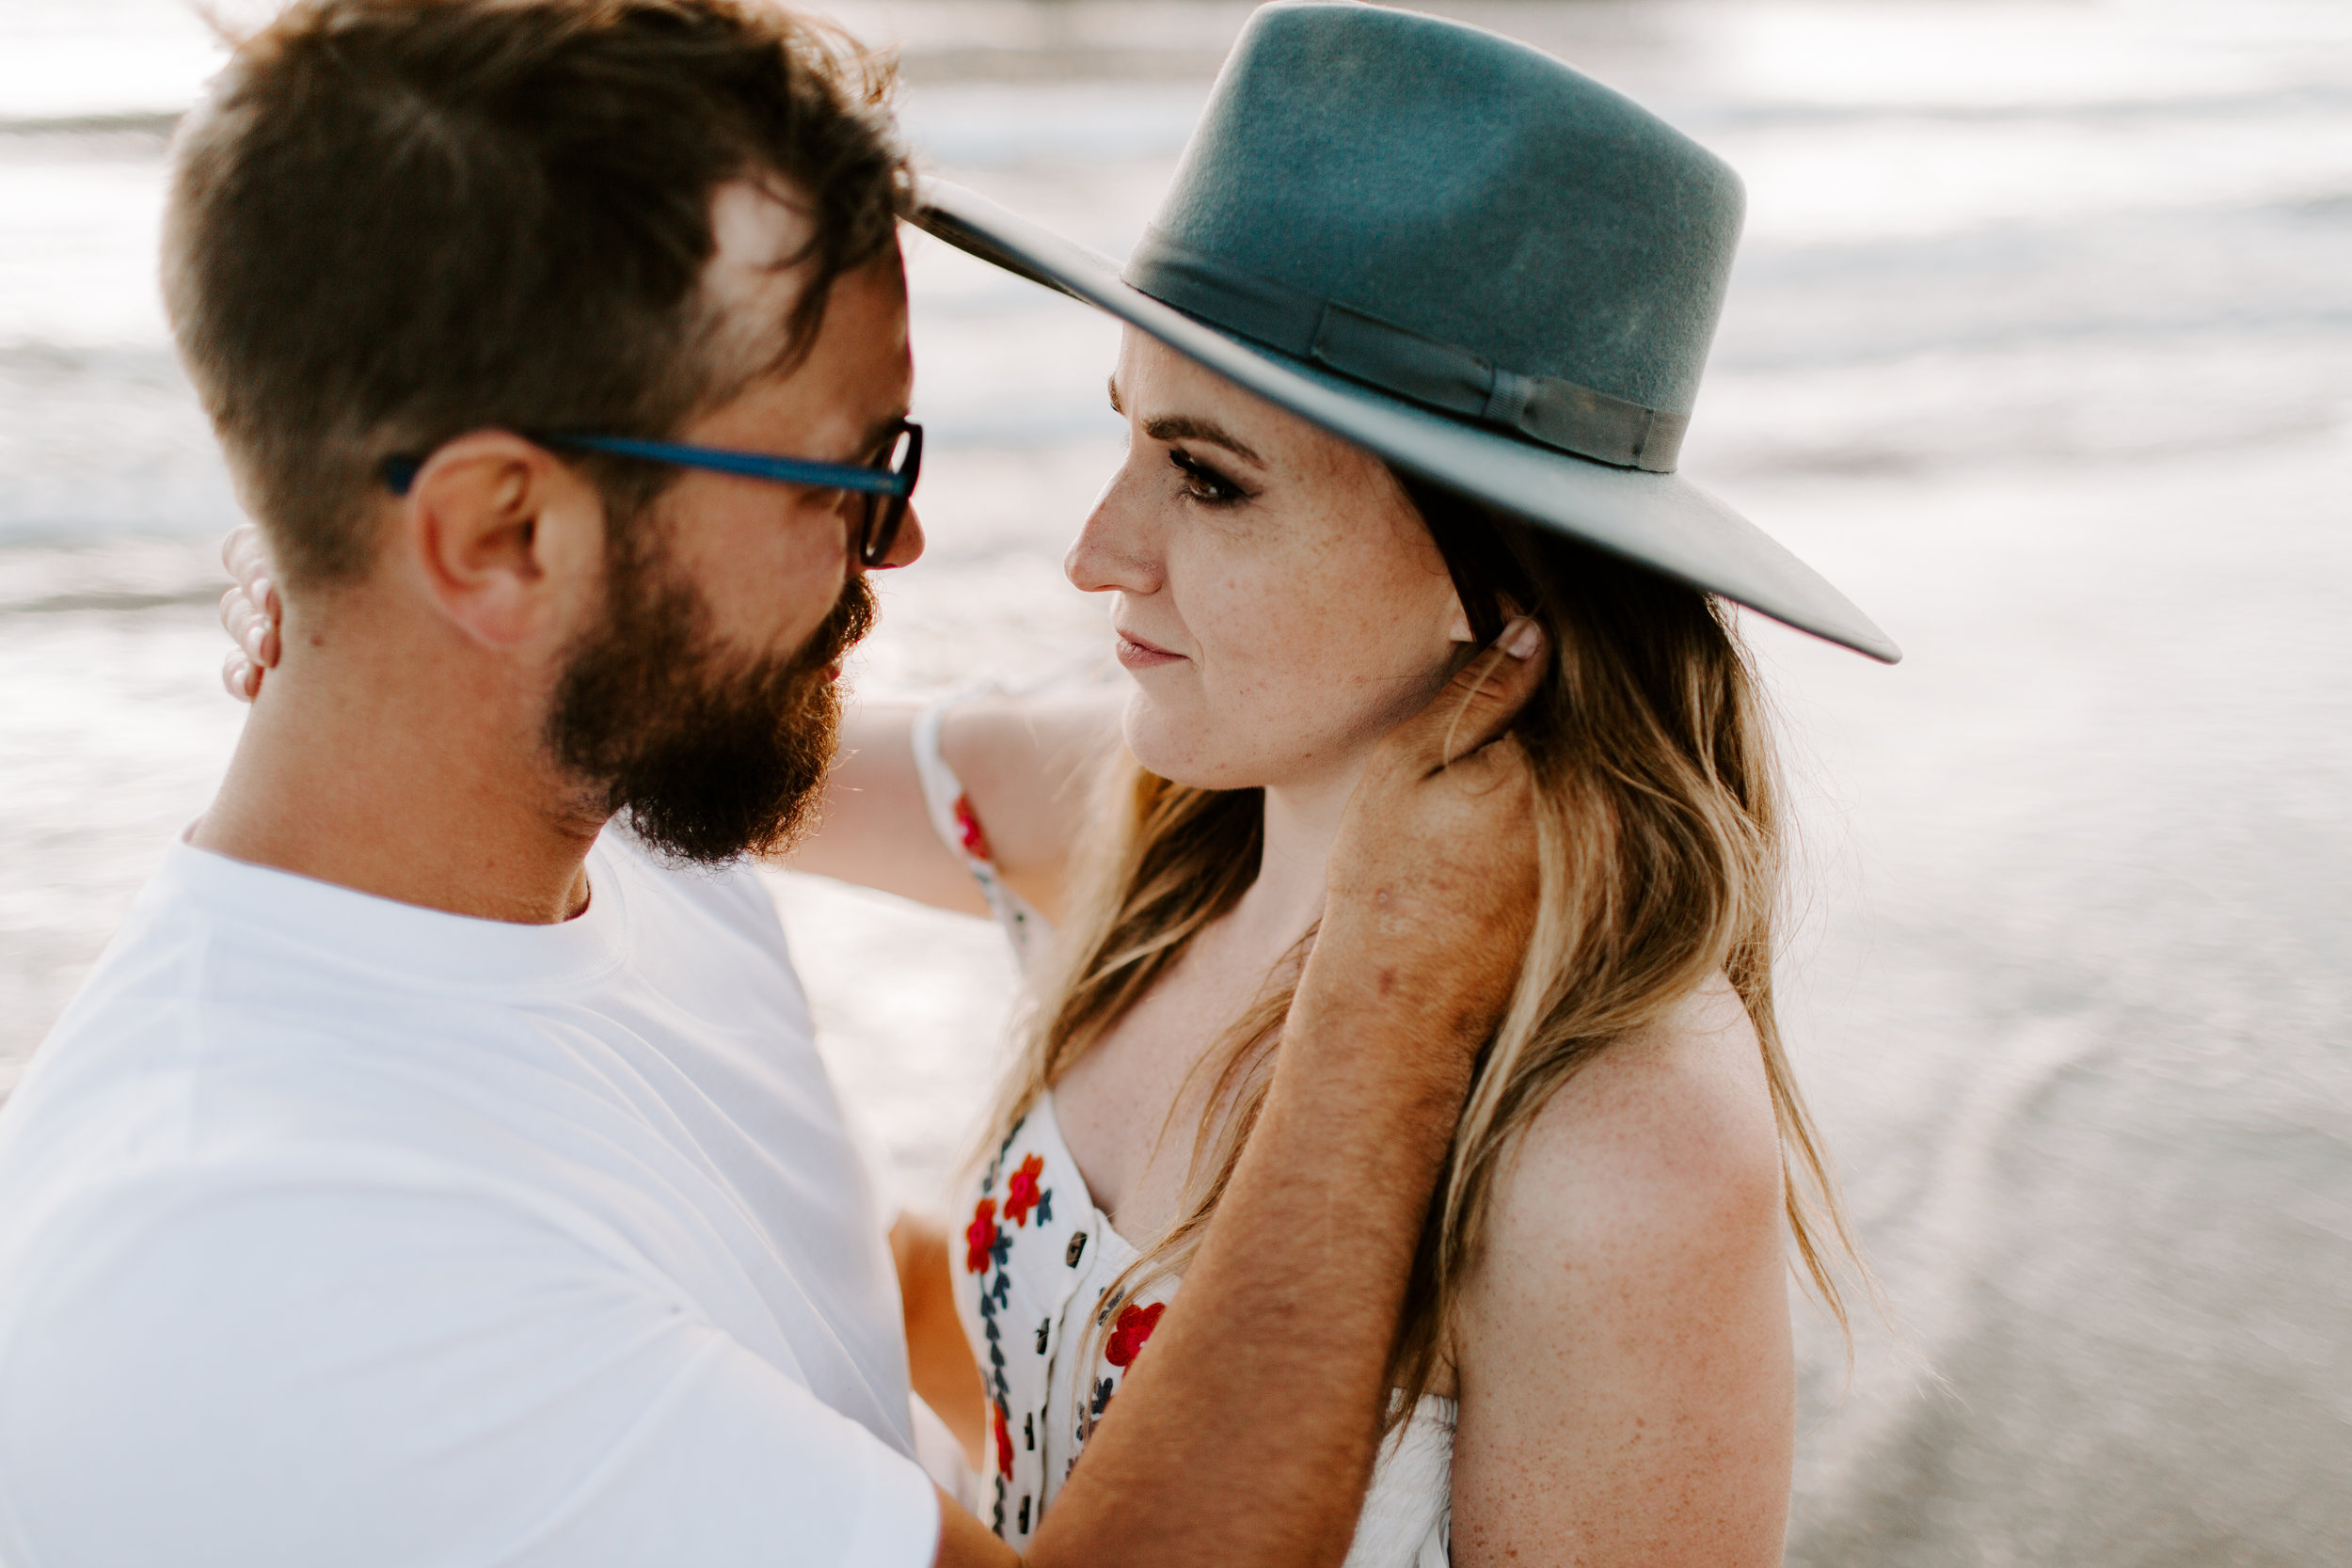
1003	1443
979	1237
968	831
1020	1192
1135	1325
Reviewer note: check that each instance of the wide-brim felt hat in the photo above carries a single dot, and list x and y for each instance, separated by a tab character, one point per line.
1461	254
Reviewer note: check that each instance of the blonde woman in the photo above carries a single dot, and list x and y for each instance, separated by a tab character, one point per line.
1409	353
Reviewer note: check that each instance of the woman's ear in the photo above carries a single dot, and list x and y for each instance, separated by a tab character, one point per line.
1458	627
1459	619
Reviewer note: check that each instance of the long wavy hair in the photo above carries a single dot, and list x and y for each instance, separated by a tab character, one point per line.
1659	837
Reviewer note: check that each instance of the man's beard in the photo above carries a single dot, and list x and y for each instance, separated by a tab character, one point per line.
711	759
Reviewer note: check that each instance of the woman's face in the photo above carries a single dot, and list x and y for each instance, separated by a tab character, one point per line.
1277	600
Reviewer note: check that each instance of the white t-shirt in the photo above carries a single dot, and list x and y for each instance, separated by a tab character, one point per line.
339	1231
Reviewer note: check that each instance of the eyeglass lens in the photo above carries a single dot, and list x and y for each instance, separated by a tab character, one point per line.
884	514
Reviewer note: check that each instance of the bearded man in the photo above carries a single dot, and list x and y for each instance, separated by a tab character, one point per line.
436	1167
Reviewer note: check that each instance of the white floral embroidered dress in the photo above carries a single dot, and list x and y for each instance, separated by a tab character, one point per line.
1033	1270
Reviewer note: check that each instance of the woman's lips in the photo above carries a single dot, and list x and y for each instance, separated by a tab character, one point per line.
1135	654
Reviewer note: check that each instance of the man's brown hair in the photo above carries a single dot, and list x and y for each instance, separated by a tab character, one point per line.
396	221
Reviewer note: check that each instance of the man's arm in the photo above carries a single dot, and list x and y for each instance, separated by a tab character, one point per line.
1246	1436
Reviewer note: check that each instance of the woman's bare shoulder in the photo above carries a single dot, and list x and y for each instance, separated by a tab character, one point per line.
1653	1172
1670	1127
1621	1346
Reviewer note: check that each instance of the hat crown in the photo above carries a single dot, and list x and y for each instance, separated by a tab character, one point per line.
1464	187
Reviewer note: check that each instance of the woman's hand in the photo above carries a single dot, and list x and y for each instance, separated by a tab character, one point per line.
249	614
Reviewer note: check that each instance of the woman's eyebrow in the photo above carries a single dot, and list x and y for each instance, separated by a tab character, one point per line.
1191	427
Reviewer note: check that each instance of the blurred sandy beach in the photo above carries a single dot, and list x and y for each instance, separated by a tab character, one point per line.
2039	346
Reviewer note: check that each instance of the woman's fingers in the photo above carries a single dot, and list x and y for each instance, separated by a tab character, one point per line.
249	612
248	562
238	675
242	553
245	624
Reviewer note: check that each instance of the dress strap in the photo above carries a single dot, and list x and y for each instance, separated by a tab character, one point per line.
959	828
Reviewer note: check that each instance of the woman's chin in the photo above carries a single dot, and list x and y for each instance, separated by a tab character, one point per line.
1177	751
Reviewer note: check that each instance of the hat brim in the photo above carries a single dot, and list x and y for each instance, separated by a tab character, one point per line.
1660	521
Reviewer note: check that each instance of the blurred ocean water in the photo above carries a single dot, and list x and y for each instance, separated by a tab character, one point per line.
2041	346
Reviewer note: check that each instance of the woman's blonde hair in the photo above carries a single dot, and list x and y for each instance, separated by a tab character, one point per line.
1658	830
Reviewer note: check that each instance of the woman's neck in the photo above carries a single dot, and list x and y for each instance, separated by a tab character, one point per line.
1301	822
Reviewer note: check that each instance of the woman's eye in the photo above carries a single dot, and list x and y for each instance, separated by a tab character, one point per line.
1203	483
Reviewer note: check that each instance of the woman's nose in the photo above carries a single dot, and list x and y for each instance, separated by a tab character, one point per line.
1112	552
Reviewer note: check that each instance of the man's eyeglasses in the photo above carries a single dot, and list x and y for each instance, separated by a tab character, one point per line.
884	484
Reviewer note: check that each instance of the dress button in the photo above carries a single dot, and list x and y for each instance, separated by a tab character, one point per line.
1078	1245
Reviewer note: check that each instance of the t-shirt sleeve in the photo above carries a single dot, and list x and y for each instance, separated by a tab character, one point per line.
735	1463
366	1372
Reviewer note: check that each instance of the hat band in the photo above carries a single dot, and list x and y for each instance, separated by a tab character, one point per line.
1442	376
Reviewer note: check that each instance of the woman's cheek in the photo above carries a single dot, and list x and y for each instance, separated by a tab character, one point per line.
1197	730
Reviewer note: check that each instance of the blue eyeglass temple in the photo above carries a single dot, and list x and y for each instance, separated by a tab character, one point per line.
401	472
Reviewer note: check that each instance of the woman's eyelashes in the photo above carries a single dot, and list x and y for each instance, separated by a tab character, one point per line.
1203	483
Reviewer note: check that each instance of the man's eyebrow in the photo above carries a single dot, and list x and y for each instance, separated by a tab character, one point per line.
879	431
1189	427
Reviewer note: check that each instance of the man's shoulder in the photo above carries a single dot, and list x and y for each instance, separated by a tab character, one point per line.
711	934
731	893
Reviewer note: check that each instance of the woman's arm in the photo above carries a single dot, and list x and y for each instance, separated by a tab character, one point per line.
1623	1349
939	1358
1024	762
873	829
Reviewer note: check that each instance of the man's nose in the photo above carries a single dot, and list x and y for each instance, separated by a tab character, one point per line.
905	548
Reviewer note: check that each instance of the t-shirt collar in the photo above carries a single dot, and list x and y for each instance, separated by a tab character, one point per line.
385	934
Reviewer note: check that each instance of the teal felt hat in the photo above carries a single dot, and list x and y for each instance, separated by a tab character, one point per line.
1458	252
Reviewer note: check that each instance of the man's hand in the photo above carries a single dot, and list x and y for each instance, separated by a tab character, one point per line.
1432	881
249	612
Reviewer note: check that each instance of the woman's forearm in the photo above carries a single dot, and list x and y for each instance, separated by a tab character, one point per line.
1025	762
939	1358
874	829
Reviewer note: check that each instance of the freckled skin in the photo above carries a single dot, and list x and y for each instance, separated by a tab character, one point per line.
1311	614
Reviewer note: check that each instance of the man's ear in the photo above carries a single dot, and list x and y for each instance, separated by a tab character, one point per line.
509	543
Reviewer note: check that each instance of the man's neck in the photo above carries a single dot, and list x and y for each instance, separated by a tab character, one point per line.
403	784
